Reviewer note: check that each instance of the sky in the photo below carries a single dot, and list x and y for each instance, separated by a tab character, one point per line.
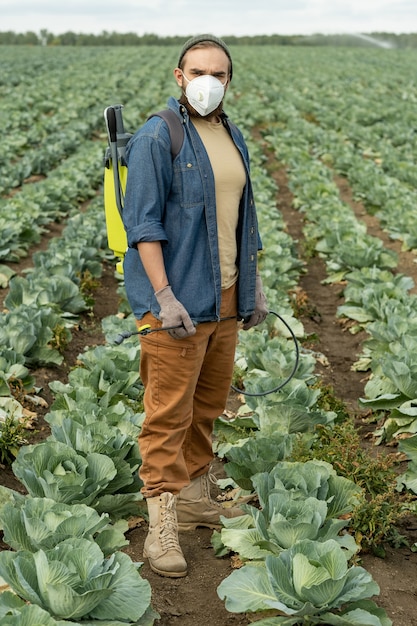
220	17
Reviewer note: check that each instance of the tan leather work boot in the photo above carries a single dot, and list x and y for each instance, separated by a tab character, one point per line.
195	506
162	547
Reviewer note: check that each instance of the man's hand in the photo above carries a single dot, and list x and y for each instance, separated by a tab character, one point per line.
174	314
261	310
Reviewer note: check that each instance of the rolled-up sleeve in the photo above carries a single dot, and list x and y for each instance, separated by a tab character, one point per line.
148	183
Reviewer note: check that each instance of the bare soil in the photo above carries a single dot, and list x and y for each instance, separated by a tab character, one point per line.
193	600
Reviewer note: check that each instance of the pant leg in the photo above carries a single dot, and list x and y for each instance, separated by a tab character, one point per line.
212	388
186	383
169	370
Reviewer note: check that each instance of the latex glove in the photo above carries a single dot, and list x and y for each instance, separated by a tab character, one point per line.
174	314
261	310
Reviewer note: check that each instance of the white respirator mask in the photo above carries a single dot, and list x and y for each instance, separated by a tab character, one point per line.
204	93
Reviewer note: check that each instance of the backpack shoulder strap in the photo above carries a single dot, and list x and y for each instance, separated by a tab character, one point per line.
175	127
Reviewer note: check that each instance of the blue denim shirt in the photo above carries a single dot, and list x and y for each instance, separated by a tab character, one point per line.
173	201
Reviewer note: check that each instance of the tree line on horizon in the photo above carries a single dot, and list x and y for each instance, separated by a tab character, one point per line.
46	38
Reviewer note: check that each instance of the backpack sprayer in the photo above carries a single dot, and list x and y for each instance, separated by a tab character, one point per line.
115	176
115	172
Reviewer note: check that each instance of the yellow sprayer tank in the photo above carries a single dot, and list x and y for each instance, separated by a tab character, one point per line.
116	234
115	175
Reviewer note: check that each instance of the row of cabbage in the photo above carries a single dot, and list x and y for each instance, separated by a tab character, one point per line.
377	297
361	113
103	390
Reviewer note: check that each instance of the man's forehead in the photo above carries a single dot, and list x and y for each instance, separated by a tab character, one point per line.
212	56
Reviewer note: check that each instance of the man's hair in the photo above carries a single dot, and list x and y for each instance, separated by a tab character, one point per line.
205	41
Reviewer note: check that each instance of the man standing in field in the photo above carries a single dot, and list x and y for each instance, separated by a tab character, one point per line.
191	266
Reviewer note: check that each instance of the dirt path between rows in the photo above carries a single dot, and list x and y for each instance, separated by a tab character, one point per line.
193	600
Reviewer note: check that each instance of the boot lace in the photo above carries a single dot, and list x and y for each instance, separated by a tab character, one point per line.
206	480
211	478
168	532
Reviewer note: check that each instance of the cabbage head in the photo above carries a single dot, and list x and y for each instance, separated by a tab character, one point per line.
52	469
74	581
40	523
310	583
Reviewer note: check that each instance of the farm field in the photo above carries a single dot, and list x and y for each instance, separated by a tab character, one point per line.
332	134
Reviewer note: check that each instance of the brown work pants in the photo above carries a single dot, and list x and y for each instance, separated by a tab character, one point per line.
187	382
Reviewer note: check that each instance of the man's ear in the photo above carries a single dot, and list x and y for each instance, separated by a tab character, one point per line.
178	76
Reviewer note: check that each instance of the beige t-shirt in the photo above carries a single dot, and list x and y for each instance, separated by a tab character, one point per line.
230	179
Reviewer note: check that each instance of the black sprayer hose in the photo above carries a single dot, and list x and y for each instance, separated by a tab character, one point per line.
145	330
291	375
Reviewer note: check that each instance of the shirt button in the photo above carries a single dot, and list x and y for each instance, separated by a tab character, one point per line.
189	164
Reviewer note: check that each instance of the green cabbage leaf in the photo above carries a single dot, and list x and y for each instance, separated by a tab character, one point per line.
74	580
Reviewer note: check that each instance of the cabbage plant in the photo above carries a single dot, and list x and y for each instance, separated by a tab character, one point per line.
281	524
82	407
107	440
40	523
56	291
314	478
297	501
310	583
75	581
12	368
256	454
35	343
54	470
112	373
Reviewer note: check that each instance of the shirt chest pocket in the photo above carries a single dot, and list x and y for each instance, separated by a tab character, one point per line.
187	185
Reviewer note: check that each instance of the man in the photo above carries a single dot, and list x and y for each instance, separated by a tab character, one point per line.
191	267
